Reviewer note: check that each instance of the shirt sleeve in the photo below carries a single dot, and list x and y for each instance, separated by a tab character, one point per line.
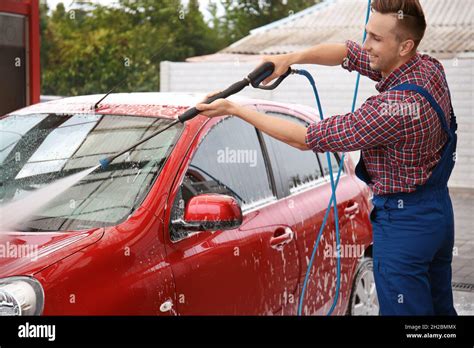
358	59
369	126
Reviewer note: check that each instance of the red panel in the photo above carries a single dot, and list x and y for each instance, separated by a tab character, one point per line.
19	7
34	27
29	8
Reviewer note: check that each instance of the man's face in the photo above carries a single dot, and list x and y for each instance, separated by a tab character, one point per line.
382	43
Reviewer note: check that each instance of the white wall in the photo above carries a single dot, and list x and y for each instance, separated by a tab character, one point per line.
335	87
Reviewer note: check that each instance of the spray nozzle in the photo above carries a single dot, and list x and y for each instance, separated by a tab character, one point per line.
104	162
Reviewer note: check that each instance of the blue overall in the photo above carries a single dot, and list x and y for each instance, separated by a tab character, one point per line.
413	236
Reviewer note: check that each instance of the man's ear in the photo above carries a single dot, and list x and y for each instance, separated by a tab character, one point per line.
406	47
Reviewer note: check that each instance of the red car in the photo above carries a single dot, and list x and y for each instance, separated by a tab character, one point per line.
210	217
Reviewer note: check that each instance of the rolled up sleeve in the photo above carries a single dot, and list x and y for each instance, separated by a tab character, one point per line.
358	59
369	126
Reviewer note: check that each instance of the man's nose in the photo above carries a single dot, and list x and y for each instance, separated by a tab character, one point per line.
366	46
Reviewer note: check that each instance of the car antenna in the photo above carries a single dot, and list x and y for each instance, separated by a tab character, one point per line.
96	105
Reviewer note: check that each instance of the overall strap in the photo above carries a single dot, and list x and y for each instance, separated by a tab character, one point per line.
428	97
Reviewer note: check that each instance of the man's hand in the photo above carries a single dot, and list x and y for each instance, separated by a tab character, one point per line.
282	63
322	54
219	107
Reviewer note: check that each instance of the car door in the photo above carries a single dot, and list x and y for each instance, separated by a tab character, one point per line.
304	177
248	270
351	249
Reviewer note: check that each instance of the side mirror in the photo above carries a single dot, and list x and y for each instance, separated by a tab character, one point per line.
211	212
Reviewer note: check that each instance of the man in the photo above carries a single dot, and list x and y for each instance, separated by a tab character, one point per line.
408	142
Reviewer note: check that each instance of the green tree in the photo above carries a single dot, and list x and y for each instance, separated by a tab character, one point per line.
241	16
194	33
90	49
45	41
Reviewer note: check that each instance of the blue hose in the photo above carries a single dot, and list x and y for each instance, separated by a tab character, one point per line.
333	201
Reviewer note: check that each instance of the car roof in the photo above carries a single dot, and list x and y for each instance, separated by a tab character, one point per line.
158	104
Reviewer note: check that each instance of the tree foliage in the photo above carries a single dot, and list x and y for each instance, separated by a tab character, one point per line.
89	48
241	16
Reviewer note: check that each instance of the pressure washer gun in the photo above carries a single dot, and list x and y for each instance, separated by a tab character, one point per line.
255	78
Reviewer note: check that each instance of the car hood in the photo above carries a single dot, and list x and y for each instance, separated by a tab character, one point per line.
26	253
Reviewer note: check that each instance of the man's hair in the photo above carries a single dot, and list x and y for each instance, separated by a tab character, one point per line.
411	22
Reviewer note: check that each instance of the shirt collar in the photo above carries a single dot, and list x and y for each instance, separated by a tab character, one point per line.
394	77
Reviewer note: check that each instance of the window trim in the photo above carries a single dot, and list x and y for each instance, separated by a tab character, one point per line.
266	161
338	159
312	185
283	191
317	183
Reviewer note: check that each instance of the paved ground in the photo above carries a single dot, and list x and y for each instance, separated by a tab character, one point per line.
464	302
463	257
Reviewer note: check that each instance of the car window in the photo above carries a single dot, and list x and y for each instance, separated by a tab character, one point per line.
335	159
39	149
294	168
229	161
334	162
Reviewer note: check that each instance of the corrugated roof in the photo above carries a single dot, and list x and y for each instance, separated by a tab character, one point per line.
449	32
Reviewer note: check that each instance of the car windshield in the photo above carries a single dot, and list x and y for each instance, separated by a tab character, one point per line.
38	149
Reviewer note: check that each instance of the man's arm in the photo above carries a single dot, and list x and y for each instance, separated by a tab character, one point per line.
369	126
349	55
289	132
323	54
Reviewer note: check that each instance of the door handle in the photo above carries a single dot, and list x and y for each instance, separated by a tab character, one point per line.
281	237
351	210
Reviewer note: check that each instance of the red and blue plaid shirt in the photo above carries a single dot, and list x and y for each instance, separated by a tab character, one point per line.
398	132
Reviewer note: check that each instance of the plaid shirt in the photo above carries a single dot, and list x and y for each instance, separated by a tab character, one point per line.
398	132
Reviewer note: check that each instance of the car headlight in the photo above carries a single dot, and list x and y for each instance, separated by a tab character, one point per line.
21	296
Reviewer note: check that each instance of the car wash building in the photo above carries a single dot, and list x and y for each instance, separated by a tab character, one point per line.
19	54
